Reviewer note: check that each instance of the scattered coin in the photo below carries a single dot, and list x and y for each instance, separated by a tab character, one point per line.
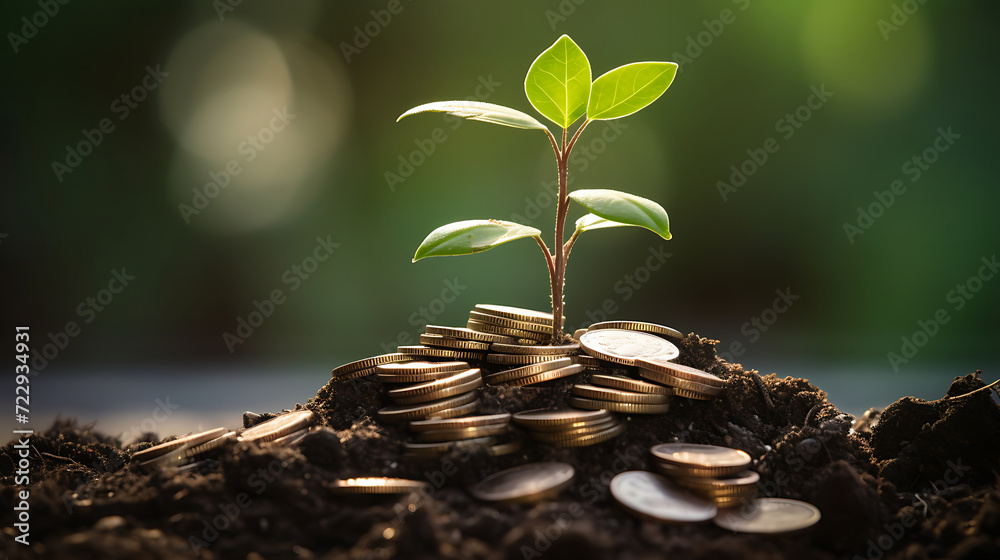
516	313
625	408
424	410
455	434
177	448
650	328
516	333
535	349
624	347
652	496
618	395
629	384
547	375
526	371
518	359
457	344
444	353
510	323
464	333
770	516
701	460
679	371
453	423
278	427
557	420
526	483
377	485
354	369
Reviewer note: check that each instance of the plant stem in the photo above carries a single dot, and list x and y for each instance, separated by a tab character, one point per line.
548	258
559	278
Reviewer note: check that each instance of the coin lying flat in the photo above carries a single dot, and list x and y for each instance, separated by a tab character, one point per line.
593	439
455	343
587	361
618	395
629	384
353	369
433	387
278	427
455	434
557	420
452	423
509	323
425	410
420	367
547	376
463	333
516	313
526	483
414	378
516	333
652	496
519	359
178	447
527	371
679	371
444	393
650	328
624	408
429	352
624	347
703	390
770	516
701	460
743	483
377	485
536	349
692	394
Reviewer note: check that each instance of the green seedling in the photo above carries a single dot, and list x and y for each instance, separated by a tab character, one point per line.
559	86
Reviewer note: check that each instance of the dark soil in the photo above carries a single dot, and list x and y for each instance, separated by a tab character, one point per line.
922	484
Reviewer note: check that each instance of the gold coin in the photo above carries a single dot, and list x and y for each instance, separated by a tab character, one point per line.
176	449
458	423
593	439
587	361
652	496
546	376
692	395
516	313
563	435
345	371
454	412
625	408
629	384
770	516
526	483
679	371
454	434
702	460
463	333
724	502
509	323
415	378
436	385
516	333
210	445
536	349
650	328
422	368
428	450
625	347
549	420
618	395
526	371
277	427
507	448
441	393
426	352
737	484
518	359
424	410
447	342
708	391
377	485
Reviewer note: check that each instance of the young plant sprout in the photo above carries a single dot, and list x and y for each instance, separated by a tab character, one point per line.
558	85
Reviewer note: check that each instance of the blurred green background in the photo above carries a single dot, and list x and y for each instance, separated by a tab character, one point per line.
346	70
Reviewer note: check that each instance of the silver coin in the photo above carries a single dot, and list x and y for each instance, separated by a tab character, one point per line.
624	347
654	497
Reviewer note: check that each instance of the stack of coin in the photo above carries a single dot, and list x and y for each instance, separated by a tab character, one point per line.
532	374
716	473
639	326
438	435
686	381
366	367
570	428
514	322
621	394
449	396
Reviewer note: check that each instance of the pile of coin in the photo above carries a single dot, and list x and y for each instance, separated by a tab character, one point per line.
621	394
422	389
366	367
686	381
514	322
436	436
716	473
569	427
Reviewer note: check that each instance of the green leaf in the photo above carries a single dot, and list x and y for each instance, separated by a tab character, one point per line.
593	221
471	236
628	88
478	111
558	82
624	208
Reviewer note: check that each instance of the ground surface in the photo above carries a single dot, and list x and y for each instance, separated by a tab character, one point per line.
923	484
